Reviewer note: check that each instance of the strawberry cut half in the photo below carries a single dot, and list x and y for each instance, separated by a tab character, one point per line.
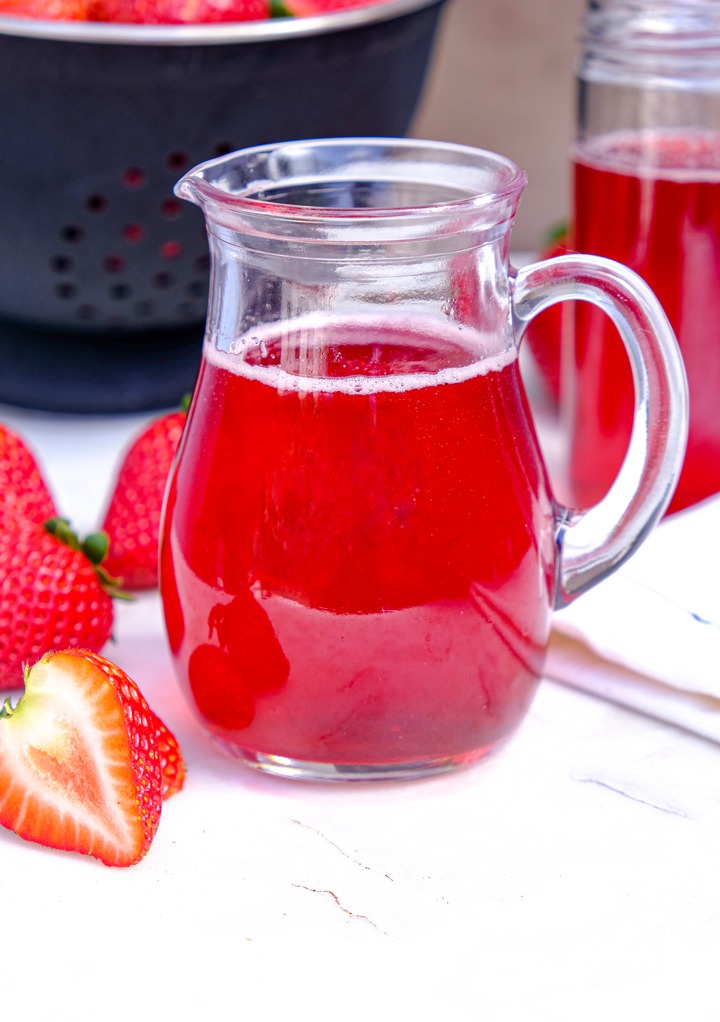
80	763
172	764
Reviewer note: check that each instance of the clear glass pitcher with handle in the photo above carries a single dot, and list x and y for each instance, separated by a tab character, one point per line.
361	551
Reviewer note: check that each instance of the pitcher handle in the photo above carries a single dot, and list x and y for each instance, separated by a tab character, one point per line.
593	542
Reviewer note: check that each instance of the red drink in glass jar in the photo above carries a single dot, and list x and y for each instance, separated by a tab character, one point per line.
650	200
352	534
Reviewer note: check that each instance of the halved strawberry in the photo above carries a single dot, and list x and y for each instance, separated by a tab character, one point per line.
172	763
22	486
80	766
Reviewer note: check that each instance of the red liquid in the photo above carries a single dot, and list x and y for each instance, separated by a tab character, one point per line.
653	203
357	560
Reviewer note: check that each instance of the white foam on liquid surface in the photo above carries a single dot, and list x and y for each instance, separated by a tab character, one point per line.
684	155
316	331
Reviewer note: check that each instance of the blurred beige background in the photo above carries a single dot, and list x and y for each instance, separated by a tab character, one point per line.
502	78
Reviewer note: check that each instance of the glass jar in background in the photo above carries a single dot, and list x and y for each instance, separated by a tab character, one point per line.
647	193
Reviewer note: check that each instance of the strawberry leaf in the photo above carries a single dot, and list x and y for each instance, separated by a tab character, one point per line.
112	586
61	529
95	547
557	233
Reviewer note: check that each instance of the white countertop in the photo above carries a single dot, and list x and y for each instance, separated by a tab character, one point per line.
574	876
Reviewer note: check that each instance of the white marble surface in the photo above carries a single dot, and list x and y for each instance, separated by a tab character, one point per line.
574	876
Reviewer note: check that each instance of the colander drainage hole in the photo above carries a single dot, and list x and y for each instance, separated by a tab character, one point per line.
114	264
171	249
134	177
65	291
171	209
72	234
97	204
61	264
162	281
176	160
133	233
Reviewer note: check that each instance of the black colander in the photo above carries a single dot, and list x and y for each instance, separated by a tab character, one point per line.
103	271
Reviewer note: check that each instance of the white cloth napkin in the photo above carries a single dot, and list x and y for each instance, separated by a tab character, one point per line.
649	636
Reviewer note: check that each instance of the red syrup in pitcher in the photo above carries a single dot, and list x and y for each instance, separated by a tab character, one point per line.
352	530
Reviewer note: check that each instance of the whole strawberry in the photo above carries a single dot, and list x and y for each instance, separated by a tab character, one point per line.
53	592
305	8
132	518
81	764
180	12
545	332
189	12
23	489
52	10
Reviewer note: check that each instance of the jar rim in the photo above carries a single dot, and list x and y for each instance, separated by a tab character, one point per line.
689	29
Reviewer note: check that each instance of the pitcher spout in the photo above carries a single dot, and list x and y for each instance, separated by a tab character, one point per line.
187	186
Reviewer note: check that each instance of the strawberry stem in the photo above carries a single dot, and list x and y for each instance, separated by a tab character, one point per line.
6	710
95	547
112	586
60	528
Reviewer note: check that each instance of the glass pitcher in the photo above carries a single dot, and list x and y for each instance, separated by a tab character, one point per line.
361	550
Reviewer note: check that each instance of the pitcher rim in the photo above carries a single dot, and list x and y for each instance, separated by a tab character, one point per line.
194	183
